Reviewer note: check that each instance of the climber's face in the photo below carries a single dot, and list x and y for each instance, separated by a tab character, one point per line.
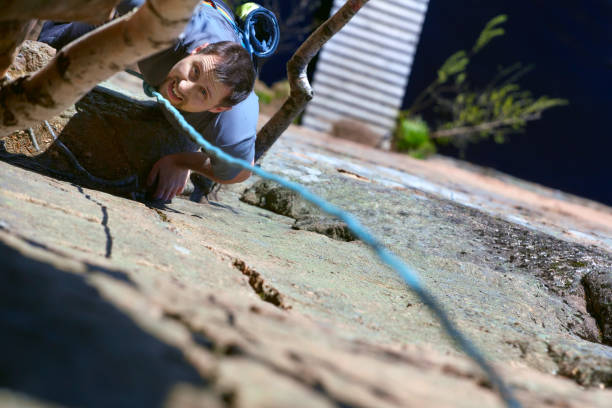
191	84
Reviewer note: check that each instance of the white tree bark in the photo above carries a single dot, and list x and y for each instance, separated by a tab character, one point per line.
84	63
90	11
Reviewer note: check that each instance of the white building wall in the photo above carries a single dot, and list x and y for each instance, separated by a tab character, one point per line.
363	70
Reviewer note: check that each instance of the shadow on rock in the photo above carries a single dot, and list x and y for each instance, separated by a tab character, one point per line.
63	343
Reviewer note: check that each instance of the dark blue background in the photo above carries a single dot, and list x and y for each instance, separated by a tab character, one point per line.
274	69
569	42
570	45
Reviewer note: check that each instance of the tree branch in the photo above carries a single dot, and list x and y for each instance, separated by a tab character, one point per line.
482	127
89	11
301	92
84	63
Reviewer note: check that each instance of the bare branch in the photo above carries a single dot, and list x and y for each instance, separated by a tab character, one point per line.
301	92
82	64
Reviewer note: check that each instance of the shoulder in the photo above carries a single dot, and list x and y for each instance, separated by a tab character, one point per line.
207	25
247	110
233	129
234	132
238	123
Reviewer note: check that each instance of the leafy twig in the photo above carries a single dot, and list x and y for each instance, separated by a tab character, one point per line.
482	126
498	109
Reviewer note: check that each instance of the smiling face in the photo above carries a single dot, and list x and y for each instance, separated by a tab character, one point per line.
191	85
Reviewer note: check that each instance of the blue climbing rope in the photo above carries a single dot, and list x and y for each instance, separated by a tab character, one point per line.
410	277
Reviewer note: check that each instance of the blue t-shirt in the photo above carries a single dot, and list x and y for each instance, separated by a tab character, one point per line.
233	131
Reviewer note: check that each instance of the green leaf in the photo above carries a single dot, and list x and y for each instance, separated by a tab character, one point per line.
454	64
441	76
543	103
412	136
264	97
490	31
499	138
507	107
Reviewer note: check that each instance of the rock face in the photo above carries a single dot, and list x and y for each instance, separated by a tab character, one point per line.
598	288
278	199
31	56
107	301
356	131
284	201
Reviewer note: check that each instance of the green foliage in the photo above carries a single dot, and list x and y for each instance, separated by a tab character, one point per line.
469	115
495	112
276	94
412	136
490	31
264	97
455	64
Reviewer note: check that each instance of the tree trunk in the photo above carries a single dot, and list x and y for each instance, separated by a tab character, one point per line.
85	62
90	11
301	92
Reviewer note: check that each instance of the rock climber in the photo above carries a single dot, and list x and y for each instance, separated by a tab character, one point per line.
209	76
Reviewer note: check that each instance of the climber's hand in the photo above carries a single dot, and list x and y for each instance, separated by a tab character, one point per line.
171	177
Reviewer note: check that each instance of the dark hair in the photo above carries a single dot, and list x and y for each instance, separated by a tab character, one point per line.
234	70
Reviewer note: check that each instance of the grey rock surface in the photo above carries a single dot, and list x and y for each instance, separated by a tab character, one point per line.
107	301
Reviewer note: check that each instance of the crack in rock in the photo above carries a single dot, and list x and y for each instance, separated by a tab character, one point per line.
163	217
315	382
598	293
266	292
590	371
330	227
104	223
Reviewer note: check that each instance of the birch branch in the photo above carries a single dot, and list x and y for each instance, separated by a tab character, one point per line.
89	60
89	11
301	92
